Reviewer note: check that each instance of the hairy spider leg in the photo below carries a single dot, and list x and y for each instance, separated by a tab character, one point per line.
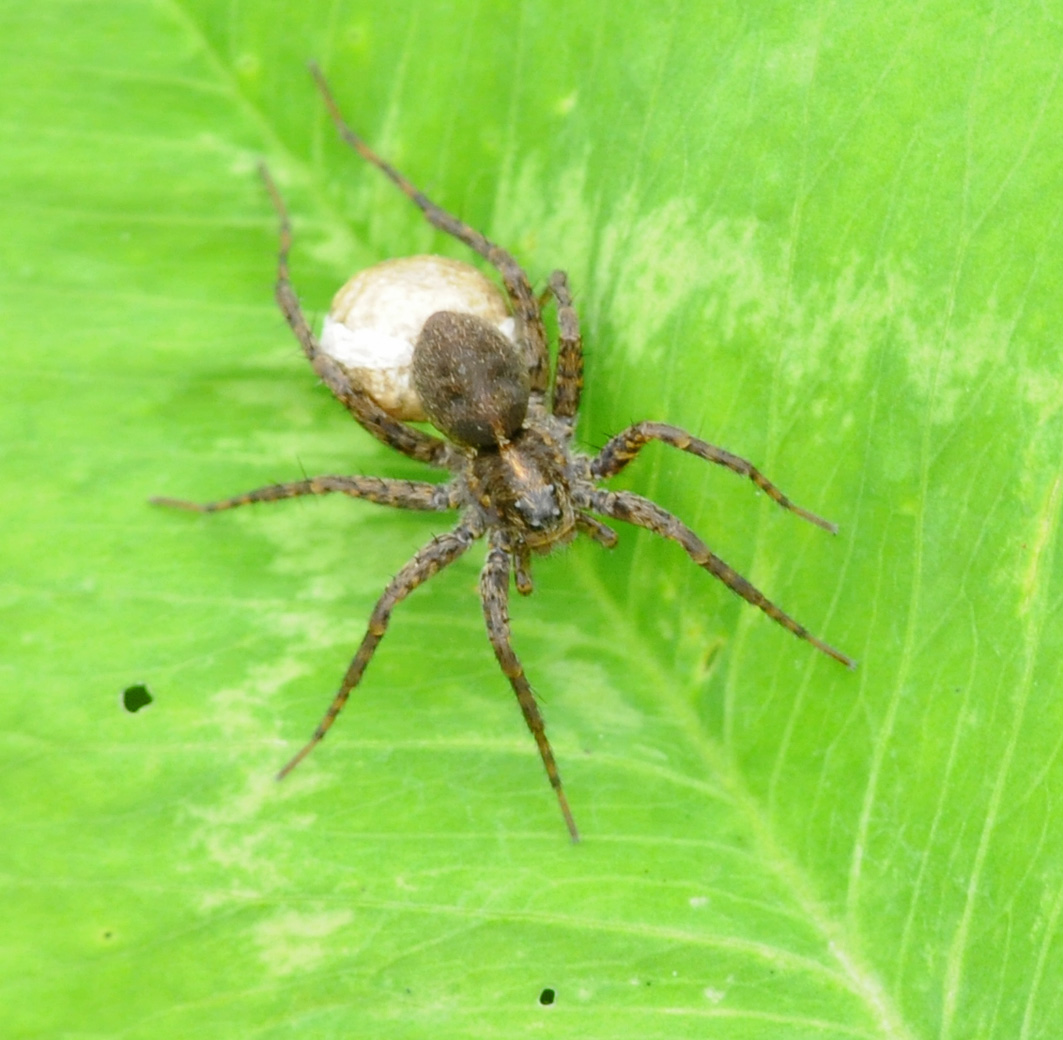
568	379
494	592
396	434
525	303
604	535
622	448
522	577
402	494
442	550
634	509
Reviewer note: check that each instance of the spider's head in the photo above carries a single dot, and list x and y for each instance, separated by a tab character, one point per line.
528	487
472	381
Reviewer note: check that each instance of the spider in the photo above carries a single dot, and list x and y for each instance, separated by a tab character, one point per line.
517	480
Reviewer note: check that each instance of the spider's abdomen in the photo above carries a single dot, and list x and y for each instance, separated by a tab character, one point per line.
472	381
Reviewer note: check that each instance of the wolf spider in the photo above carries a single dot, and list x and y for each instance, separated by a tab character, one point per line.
516	477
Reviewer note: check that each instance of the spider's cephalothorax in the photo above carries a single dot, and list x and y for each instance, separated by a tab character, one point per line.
516	478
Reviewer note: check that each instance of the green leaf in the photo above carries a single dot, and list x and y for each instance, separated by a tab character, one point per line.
825	237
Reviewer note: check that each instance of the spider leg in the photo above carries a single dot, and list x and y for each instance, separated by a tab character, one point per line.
522	572
568	382
440	551
521	293
494	591
622	448
601	533
634	509
402	494
366	411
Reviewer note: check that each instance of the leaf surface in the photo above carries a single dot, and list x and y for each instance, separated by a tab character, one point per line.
825	237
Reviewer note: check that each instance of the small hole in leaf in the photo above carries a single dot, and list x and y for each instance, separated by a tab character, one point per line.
136	697
546	998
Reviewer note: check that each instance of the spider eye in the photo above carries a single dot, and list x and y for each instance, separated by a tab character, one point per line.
539	508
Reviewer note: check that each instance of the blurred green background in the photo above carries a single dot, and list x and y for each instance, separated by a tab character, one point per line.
824	236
